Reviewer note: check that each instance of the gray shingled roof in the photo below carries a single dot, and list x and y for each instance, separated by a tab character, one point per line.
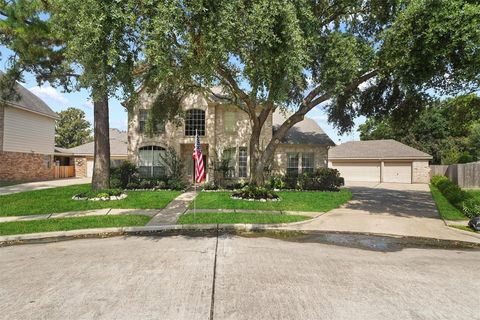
376	149
28	101
304	132
118	145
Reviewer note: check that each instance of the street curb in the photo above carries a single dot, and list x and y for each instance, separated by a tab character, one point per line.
211	230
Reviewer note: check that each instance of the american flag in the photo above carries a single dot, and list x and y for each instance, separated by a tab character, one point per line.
198	158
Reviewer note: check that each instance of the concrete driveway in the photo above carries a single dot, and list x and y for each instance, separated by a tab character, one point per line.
389	208
39	185
235	278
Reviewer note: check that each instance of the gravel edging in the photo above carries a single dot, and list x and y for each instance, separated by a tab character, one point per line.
211	230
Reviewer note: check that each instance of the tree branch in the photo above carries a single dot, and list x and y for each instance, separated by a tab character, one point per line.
237	90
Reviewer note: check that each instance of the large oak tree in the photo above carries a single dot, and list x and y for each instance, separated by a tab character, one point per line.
349	57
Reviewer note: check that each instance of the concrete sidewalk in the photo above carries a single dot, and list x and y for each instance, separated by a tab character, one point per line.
77	214
173	210
40	185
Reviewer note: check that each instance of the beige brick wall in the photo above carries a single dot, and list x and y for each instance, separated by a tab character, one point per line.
280	158
216	139
80	164
420	171
18	166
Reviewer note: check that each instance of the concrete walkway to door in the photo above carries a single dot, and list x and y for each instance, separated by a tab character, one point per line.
39	185
388	208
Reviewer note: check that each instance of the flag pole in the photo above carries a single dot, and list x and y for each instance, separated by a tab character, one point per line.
195	179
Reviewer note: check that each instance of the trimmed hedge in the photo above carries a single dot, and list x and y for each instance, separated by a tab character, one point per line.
456	196
322	179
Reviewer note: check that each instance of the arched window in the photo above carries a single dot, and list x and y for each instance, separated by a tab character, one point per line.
150	161
195	122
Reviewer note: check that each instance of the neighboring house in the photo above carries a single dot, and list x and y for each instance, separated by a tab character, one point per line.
224	132
380	161
27	138
82	156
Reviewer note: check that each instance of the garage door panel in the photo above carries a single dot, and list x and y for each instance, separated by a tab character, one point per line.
89	168
358	171
398	172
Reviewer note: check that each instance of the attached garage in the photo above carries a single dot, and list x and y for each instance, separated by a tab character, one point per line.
380	161
358	171
399	172
90	168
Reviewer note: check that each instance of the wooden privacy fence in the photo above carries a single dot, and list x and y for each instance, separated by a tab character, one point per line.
64	172
466	175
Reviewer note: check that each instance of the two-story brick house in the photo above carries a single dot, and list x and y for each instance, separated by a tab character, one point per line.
225	130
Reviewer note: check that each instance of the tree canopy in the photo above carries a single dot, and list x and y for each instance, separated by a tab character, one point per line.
350	57
72	129
448	130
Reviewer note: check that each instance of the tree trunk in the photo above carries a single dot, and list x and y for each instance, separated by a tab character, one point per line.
101	167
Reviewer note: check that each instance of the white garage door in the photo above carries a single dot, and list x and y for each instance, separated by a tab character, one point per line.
89	168
358	171
397	172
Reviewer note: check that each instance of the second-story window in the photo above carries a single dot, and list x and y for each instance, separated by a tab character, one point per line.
229	121
142	120
195	122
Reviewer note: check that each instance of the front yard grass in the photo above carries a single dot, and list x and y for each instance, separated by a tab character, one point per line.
446	209
464	228
228	218
65	224
290	201
58	200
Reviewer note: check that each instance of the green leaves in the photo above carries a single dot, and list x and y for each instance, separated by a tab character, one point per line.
72	129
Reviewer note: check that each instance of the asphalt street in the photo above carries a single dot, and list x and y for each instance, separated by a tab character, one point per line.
233	277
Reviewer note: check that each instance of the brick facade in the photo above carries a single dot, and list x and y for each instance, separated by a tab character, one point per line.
80	164
17	166
420	171
216	139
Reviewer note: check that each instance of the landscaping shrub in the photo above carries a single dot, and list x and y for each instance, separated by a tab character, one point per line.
210	186
276	182
471	207
456	196
125	173
323	179
435	180
257	193
176	184
147	184
115	183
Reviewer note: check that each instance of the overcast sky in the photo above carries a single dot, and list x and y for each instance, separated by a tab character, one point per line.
58	101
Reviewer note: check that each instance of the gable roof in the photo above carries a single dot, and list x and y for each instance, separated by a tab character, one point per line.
30	102
376	149
118	145
306	131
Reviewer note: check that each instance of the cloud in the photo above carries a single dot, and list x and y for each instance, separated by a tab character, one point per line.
319	118
88	104
49	93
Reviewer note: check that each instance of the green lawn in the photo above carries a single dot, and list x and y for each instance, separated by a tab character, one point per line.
64	224
464	228
290	200
58	200
446	209
474	193
226	218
